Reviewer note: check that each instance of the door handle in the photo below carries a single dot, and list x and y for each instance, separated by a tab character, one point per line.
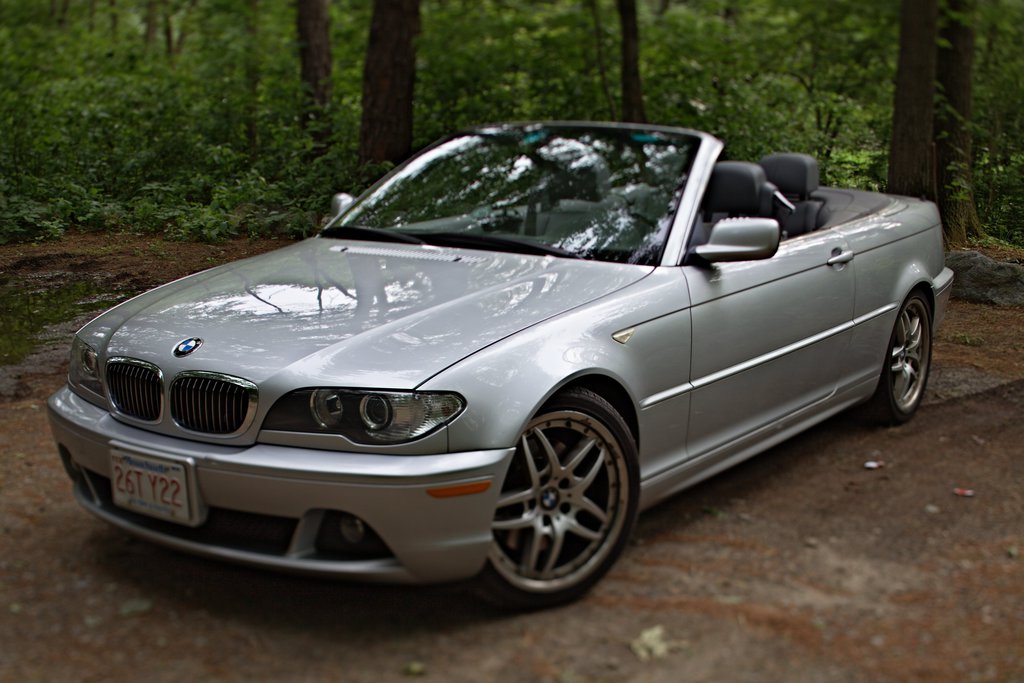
839	256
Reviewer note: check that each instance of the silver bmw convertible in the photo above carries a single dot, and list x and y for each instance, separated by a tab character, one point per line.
486	365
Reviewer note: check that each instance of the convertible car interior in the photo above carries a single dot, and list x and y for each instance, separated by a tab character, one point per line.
748	189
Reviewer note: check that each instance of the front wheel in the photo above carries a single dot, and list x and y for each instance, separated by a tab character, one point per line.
907	362
567	506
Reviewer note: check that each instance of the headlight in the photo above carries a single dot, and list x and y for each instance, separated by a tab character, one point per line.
366	417
84	368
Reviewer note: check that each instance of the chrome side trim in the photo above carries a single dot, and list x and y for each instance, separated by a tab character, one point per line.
875	313
725	373
655	399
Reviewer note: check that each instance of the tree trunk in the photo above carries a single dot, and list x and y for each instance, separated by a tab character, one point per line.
602	68
632	90
168	31
183	25
389	77
953	140
150	22
62	18
252	75
911	153
313	24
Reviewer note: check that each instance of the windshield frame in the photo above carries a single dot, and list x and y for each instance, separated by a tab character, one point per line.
650	252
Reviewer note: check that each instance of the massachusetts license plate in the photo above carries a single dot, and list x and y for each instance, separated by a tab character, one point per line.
153	486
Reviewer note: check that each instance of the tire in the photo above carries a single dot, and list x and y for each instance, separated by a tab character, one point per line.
907	363
567	506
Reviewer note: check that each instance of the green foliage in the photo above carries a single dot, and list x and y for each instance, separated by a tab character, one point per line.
999	120
102	131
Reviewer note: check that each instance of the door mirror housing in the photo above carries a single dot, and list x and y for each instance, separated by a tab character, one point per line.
741	239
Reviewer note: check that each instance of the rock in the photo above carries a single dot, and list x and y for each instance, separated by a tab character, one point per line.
947	382
982	280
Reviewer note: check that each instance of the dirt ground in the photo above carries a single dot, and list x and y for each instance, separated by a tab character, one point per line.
800	565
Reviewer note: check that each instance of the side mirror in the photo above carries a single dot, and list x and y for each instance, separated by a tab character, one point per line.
741	239
340	203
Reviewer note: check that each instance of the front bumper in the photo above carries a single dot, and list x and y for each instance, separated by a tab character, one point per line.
271	506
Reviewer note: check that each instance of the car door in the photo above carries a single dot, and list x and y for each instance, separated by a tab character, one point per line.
768	338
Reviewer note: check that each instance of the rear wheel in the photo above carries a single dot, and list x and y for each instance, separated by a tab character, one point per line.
567	506
907	362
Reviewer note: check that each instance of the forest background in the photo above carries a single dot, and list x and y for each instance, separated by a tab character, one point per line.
207	119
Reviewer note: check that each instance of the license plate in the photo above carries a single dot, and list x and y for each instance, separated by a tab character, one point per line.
154	486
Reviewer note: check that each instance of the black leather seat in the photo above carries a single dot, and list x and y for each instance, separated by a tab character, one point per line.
796	176
738	188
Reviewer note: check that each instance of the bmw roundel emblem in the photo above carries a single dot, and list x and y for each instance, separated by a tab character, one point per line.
187	346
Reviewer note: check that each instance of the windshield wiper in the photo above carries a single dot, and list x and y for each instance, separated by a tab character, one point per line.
355	232
503	243
449	239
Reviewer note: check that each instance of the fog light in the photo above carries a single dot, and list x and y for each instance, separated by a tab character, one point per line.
70	466
352	529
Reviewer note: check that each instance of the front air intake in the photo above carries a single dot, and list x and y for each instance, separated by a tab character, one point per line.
211	403
136	388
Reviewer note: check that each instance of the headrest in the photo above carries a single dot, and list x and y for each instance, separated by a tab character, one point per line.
795	174
586	181
735	189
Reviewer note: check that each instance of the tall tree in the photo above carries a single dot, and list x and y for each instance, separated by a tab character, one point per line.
911	153
602	68
389	76
174	45
632	90
112	4
313	24
149	23
252	74
953	138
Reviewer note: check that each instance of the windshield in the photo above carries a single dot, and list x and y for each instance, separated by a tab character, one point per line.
597	193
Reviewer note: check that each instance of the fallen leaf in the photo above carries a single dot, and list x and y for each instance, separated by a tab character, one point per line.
134	608
414	668
651	644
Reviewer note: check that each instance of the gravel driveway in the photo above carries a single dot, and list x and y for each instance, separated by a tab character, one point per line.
800	565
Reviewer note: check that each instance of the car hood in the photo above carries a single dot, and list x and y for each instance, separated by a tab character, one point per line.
359	314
